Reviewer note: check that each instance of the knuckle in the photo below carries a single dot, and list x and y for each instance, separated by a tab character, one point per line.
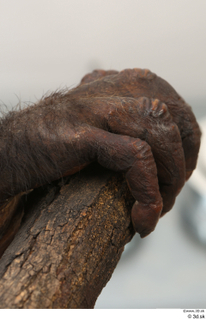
158	108
142	148
154	108
139	74
145	74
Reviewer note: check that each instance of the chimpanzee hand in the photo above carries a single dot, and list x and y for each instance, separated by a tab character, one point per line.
139	104
130	121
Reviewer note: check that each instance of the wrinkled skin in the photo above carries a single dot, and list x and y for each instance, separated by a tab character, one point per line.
131	121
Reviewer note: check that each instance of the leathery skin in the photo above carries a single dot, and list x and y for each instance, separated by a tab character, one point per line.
130	121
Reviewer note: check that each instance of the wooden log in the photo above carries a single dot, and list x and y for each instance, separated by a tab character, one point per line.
70	241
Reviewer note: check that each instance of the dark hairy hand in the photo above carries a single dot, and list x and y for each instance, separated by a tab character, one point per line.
131	121
139	104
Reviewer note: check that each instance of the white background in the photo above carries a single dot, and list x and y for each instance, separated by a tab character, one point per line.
46	45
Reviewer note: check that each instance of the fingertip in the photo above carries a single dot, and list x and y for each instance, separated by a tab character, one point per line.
145	217
145	234
188	174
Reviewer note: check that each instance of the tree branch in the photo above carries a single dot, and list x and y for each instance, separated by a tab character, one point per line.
69	243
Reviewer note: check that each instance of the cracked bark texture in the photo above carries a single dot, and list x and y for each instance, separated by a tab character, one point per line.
70	241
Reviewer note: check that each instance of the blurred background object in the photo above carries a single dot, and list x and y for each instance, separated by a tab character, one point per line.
48	45
193	199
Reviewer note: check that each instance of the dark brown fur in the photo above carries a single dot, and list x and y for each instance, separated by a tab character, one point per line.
130	121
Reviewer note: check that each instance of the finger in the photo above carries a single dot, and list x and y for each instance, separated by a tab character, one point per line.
123	154
183	116
134	157
141	82
150	120
165	141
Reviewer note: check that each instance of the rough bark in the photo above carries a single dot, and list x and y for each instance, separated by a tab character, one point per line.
70	241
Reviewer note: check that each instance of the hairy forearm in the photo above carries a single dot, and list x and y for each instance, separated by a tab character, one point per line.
42	143
130	121
28	158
